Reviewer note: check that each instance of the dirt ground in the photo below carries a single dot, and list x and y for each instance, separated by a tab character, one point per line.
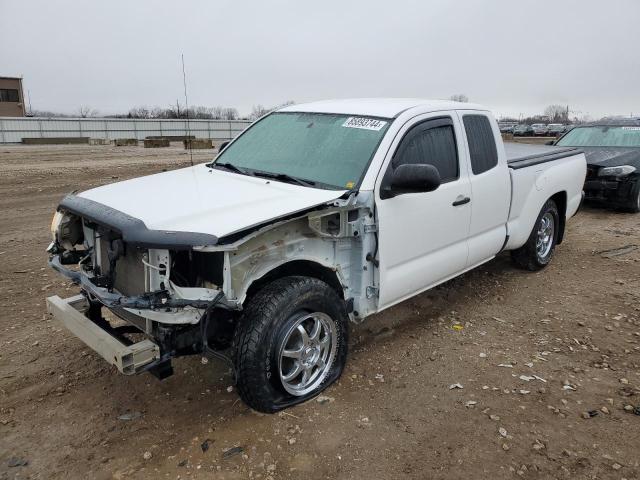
531	353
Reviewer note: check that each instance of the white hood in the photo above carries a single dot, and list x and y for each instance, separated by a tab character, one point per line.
204	200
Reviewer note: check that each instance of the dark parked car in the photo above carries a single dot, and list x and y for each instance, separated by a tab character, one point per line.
612	149
523	131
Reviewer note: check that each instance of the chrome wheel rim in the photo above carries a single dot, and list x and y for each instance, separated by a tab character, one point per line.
307	353
544	240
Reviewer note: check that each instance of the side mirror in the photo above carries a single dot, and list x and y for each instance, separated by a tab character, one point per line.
412	178
550	142
223	145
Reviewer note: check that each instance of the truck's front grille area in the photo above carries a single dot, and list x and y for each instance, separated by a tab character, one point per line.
130	279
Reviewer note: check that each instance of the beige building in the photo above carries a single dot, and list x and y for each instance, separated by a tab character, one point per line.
11	97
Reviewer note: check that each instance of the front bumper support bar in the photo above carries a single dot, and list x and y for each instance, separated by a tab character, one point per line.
129	359
148	301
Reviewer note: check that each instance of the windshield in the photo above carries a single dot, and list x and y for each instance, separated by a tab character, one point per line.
602	136
326	150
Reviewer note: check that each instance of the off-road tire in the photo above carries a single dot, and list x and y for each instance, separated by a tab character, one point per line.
261	329
526	257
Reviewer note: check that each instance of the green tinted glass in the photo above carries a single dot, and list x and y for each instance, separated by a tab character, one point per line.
602	136
331	150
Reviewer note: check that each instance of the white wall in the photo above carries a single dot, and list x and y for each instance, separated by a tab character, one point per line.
13	129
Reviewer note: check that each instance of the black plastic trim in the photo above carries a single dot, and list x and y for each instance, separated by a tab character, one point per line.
462	201
133	230
504	244
536	159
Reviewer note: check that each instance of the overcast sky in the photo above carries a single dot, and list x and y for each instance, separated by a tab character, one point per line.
513	56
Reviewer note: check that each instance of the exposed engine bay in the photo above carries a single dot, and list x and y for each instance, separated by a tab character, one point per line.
186	291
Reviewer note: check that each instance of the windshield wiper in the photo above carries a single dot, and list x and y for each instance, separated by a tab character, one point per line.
258	173
285	178
231	167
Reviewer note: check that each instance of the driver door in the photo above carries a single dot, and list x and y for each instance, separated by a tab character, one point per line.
423	237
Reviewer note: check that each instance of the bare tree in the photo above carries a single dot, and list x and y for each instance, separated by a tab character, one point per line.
459	97
557	113
258	111
217	112
86	111
201	112
230	113
140	112
581	117
47	113
176	110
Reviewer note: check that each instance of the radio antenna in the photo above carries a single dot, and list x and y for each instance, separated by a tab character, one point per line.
186	103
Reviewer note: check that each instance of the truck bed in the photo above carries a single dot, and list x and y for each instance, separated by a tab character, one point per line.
555	171
520	155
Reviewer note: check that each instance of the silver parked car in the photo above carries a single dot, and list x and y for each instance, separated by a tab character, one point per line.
540	129
555	129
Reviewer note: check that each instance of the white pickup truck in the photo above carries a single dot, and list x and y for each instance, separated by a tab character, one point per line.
316	215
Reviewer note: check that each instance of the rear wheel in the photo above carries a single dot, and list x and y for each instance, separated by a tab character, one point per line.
537	252
290	344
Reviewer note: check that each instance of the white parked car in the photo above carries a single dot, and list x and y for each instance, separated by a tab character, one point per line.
317	215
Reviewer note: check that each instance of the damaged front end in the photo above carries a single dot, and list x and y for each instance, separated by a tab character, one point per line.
614	185
175	293
155	282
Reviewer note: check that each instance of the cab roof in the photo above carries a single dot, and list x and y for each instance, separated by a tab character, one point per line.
379	107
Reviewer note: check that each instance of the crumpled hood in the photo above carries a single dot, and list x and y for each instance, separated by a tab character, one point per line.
612	156
204	200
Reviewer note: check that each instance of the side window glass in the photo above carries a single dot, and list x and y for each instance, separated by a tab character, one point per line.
482	144
435	145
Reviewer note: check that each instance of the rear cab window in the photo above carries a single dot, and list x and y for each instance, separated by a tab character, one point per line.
482	143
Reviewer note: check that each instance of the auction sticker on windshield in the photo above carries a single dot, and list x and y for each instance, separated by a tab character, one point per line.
365	123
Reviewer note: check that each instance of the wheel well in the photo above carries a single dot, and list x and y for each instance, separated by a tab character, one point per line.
560	200
303	268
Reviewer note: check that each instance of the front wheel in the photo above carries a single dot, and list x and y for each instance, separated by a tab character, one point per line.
290	344
537	252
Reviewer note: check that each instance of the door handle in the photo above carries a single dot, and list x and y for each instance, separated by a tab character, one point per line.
461	200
